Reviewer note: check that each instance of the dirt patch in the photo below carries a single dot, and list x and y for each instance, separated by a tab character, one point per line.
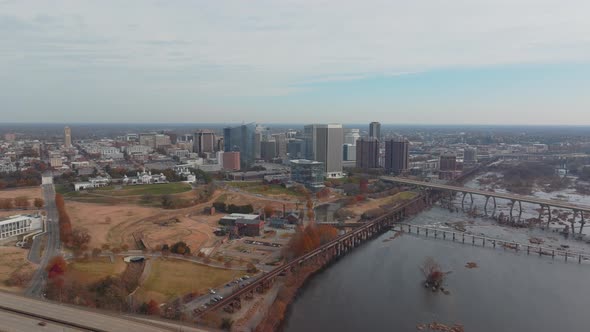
13	259
31	192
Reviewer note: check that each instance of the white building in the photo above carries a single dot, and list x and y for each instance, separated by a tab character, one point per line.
111	152
19	224
145	178
92	183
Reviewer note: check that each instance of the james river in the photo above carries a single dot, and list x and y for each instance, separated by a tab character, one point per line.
379	286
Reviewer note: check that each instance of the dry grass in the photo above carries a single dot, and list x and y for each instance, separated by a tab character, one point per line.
95	269
170	278
31	192
362	207
12	259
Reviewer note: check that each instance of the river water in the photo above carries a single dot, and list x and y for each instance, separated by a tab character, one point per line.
379	286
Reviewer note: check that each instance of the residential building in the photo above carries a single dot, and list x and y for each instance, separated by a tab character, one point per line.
329	139
231	161
397	156
67	137
375	130
308	172
19	224
367	153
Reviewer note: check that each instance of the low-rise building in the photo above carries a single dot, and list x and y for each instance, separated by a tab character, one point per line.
308	172
232	219
249	227
19	224
145	177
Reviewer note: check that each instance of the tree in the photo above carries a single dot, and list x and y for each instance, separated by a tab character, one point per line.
6	204
268	211
56	267
39	203
21	202
167	201
79	240
180	248
153	309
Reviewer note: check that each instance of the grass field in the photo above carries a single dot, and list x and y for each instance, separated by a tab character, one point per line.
95	269
171	278
264	189
149	189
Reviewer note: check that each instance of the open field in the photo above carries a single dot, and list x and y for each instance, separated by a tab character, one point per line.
31	192
12	259
170	278
95	269
266	189
362	207
115	224
152	189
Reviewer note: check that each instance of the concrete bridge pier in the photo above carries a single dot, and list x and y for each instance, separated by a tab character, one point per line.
573	222
485	207
582	222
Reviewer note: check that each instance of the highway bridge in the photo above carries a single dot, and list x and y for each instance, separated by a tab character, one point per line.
18	313
490	195
333	249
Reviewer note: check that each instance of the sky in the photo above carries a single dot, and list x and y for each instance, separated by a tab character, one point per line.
304	61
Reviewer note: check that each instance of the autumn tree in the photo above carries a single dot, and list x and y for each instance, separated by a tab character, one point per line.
6	204
268	211
79	240
180	248
65	225
153	308
21	202
39	203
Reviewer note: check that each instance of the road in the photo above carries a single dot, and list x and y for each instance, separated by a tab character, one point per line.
511	197
224	291
53	246
19	313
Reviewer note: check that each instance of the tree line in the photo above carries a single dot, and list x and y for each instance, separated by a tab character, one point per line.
20	202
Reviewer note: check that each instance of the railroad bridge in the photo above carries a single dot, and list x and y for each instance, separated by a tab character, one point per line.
490	196
324	254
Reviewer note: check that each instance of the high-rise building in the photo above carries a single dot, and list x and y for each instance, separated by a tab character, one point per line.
448	162
367	153
397	155
268	150
296	148
351	136
375	130
281	145
309	137
349	152
470	156
204	141
67	137
241	138
329	139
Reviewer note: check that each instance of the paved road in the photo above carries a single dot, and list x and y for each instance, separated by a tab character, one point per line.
85	319
223	291
53	246
527	199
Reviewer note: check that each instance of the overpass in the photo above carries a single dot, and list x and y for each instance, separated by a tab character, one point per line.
18	313
331	250
490	195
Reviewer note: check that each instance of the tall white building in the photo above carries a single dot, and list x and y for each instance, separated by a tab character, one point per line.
329	139
67	137
351	136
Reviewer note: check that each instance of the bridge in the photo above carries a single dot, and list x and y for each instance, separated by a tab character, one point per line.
490	195
327	252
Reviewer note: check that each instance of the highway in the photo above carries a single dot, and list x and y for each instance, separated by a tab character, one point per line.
18	313
510	197
52	248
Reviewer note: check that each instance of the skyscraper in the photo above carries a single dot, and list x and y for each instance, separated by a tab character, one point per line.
327	146
241	138
309	137
375	130
367	153
397	155
67	137
351	136
204	141
281	145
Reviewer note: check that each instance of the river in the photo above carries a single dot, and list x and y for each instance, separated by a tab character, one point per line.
379	286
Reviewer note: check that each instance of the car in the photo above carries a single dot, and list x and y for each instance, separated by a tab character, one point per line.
228	284
212	291
246	277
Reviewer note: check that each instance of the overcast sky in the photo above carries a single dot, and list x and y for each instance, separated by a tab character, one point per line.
411	61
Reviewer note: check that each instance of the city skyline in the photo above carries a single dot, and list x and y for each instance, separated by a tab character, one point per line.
490	62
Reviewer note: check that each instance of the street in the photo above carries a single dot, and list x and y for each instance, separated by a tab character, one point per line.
52	247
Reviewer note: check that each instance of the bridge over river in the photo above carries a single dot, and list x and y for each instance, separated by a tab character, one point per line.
492	196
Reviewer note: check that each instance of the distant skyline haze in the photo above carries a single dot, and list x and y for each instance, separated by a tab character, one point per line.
304	61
